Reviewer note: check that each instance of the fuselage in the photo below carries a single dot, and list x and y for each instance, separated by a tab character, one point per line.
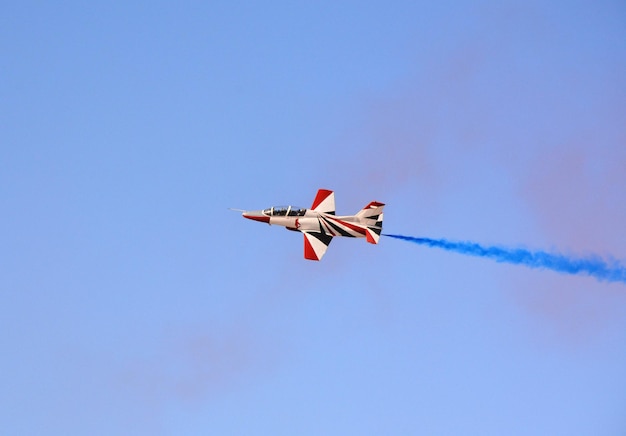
307	220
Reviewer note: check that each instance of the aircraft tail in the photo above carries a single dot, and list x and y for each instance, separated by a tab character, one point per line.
372	216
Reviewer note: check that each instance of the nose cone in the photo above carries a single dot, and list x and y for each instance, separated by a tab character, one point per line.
256	215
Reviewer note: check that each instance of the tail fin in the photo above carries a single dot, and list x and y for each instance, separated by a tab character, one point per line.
372	216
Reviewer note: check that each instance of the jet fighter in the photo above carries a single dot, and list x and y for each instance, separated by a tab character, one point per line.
319	224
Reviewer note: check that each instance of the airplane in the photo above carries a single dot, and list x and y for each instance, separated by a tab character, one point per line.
319	224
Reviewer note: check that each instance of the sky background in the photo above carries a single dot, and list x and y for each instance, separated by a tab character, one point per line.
132	301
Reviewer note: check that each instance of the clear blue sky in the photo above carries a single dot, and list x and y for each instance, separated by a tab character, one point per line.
133	302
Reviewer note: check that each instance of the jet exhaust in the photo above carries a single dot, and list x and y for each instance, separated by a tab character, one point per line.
595	266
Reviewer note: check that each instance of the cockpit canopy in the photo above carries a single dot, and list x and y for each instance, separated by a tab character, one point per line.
285	211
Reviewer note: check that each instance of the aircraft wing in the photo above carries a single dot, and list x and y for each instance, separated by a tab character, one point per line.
324	202
315	245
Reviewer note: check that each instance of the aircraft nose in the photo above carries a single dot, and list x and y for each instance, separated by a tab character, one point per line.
256	215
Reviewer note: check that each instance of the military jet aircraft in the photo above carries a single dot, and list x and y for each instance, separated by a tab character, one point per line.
319	224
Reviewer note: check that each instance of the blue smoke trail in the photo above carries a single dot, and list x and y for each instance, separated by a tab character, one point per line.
593	265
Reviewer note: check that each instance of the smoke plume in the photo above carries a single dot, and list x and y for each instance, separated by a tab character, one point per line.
609	270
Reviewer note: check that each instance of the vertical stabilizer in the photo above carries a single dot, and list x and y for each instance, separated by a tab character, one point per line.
372	213
372	217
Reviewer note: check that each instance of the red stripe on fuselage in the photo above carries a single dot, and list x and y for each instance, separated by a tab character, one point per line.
327	229
261	218
351	226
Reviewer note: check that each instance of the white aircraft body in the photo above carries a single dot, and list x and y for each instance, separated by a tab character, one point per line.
319	224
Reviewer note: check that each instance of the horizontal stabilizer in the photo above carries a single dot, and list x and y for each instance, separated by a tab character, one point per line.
372	235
